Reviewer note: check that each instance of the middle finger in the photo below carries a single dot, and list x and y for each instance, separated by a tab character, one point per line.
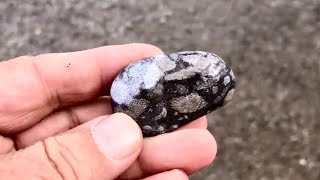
66	119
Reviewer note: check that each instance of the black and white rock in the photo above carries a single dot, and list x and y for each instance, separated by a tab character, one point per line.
165	92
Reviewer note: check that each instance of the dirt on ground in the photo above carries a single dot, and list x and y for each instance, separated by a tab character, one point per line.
271	129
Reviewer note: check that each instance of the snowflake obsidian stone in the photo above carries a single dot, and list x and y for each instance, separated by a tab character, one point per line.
165	92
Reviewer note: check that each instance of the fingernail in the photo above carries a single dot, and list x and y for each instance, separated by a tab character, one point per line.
117	136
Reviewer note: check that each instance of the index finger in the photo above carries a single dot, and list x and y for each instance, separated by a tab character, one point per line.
36	86
78	76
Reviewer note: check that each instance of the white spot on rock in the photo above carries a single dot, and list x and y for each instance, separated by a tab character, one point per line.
214	89
174	56
180	118
229	96
226	80
161	128
165	63
210	65
163	114
137	107
124	89
179	75
152	76
188	104
232	75
147	128
174	126
197	61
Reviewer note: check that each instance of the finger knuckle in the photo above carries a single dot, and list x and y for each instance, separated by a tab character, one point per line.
73	118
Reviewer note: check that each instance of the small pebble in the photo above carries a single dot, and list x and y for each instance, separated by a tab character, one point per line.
164	92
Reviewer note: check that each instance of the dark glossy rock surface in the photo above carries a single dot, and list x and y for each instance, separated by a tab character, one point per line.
165	92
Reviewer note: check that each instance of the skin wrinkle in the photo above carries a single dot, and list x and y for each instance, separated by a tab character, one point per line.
103	88
73	118
7	126
50	160
53	99
70	154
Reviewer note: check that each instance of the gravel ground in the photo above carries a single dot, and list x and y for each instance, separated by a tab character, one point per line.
270	130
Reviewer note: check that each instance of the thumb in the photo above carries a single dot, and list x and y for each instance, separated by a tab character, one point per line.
100	149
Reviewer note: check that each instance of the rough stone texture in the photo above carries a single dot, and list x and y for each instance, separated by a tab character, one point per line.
162	93
271	130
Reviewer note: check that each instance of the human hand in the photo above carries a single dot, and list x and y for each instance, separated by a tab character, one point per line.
57	123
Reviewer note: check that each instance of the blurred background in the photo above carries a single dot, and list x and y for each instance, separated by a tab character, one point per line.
271	129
